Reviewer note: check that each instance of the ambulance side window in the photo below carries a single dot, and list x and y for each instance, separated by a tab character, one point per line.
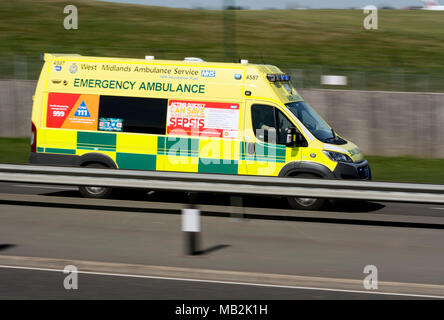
263	122
282	124
138	115
269	124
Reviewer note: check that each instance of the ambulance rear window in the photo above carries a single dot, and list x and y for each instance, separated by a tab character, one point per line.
138	115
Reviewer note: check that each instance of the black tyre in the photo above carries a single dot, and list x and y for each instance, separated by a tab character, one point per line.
300	203
96	192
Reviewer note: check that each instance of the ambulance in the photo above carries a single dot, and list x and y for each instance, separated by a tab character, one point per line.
184	116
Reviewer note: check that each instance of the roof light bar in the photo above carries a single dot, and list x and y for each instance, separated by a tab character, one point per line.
278	77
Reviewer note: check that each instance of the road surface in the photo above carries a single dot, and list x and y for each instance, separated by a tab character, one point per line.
258	257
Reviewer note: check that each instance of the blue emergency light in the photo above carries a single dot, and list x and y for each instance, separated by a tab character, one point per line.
278	77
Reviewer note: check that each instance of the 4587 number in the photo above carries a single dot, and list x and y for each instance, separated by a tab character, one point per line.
252	77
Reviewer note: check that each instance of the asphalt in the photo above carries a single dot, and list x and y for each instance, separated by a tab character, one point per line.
401	254
278	204
41	285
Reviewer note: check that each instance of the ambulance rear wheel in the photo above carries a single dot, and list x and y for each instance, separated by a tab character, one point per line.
303	203
95	192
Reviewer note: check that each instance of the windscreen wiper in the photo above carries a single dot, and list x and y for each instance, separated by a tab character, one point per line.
334	138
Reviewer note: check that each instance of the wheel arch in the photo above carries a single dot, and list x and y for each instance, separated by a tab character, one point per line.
97	158
299	167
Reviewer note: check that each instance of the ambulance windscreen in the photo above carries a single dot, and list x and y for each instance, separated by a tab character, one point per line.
313	122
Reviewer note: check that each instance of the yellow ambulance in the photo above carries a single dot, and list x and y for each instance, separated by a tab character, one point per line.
185	116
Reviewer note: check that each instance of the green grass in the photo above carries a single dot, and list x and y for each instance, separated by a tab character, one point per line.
407	169
14	150
397	169
326	40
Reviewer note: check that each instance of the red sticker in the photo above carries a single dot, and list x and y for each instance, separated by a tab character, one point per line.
59	107
72	111
197	118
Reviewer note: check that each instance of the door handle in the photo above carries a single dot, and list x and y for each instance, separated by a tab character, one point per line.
251	148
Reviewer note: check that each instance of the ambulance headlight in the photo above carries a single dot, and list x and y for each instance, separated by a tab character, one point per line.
337	156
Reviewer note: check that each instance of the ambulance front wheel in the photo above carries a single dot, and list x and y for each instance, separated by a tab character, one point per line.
302	203
96	192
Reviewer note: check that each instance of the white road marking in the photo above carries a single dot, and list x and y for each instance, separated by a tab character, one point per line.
227	282
441	208
43	187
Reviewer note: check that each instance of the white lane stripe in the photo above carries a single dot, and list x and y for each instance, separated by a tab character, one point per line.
438	208
43	187
227	282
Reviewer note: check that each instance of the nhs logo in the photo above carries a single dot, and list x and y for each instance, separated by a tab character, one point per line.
208	73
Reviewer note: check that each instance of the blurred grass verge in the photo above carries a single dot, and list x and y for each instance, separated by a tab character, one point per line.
404	54
14	150
395	169
407	169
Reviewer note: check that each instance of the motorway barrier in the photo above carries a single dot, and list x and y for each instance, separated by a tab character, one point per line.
230	184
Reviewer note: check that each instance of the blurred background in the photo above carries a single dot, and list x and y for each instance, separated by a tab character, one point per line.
391	103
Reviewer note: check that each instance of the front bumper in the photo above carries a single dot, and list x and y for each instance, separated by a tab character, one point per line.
359	170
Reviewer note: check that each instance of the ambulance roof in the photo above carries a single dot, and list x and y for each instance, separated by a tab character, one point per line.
78	57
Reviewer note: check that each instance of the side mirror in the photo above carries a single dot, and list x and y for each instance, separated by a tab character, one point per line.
295	138
300	140
290	140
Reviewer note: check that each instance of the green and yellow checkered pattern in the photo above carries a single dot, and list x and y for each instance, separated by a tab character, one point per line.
168	153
